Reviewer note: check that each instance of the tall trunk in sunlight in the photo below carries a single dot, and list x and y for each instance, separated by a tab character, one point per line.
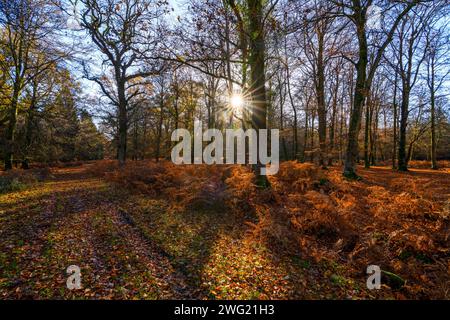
320	91
358	103
364	76
367	141
257	74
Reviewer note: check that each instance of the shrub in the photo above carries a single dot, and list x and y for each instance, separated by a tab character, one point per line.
17	180
100	168
298	177
193	186
240	188
9	184
423	164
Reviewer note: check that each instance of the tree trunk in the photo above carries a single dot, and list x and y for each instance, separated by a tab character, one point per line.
135	141
341	130
402	156
352	151
305	136
257	74
28	135
394	150
11	128
434	165
321	107
123	124
373	139
283	140
311	137
367	134
159	131
291	99
29	128
333	122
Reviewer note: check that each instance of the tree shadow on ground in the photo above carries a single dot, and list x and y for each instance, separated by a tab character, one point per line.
186	236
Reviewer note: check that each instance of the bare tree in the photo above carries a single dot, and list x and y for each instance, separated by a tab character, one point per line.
437	65
357	13
124	32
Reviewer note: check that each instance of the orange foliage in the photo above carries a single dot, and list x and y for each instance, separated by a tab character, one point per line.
17	179
387	218
422	164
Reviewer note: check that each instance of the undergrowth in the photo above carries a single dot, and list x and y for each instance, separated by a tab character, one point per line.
16	180
318	215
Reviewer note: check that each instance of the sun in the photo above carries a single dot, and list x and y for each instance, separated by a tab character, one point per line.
236	101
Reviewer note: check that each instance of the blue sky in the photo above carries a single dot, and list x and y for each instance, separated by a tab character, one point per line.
90	89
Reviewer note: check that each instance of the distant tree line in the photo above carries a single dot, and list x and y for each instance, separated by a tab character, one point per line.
41	114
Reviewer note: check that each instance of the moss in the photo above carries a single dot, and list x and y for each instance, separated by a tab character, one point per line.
338	280
351	176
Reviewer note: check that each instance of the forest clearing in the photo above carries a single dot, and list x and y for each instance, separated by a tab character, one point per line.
160	231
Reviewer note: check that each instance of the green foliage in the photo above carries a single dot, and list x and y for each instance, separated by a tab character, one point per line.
394	280
89	142
304	264
16	182
51	126
338	280
8	184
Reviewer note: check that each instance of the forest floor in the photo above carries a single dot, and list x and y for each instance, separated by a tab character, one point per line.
156	234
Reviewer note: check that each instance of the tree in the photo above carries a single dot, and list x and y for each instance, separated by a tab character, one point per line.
437	66
89	144
27	26
357	13
410	55
257	58
123	32
316	34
